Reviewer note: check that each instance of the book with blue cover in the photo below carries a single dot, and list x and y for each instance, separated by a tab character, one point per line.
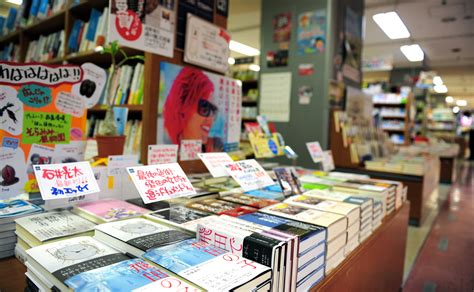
127	276
210	267
11	19
265	194
92	28
11	210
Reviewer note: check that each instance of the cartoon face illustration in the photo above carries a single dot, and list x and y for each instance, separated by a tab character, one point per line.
75	252
138	228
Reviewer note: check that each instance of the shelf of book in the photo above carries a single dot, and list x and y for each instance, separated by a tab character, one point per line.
131	108
384	251
48	25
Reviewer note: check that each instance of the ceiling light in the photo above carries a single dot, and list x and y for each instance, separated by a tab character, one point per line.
437	80
455	109
254	67
231	61
461	102
16	2
449	99
414	53
440	88
243	49
392	25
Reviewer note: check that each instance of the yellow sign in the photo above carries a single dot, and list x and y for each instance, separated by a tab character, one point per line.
267	147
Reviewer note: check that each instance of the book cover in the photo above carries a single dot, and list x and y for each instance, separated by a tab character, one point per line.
155	206
193	260
66	258
128	275
110	210
52	225
16	208
93	22
266	194
180	214
143	234
221	207
247	200
74	36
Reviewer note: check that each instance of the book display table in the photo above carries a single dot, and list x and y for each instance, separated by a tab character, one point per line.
383	251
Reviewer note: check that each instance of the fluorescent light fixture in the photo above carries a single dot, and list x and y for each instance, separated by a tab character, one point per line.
243	49
461	102
449	99
414	53
254	67
455	109
440	88
231	61
16	2
392	25
437	80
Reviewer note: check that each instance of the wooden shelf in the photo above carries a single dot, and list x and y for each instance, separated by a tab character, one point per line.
131	108
46	26
12	37
84	7
393	117
394	130
98	58
379	104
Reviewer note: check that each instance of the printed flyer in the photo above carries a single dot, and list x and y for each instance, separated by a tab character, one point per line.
311	33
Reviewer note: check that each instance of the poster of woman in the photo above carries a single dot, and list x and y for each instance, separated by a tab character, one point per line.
196	104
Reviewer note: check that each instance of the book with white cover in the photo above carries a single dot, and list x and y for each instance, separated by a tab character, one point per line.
334	261
351	211
334	223
61	260
363	202
335	244
40	228
138	235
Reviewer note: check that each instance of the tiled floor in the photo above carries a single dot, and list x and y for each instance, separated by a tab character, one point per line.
446	260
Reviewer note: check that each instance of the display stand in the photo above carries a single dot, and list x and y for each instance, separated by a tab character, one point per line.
377	264
447	169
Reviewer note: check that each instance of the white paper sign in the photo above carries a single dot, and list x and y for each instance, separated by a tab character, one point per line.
215	162
59	181
117	164
159	154
189	149
206	45
249	174
275	96
315	151
160	182
328	161
92	85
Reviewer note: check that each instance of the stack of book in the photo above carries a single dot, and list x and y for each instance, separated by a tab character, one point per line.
86	36
335	224
247	200
9	211
46	48
219	207
108	210
38	229
351	211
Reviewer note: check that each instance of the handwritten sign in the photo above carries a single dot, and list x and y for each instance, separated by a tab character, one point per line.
69	103
215	162
328	161
46	128
160	182
39	74
34	95
59	181
315	151
159	154
189	149
117	164
249	174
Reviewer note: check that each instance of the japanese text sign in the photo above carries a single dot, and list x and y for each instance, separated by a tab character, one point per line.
249	174
59	181
159	154
160	182
315	151
117	164
189	149
46	128
215	162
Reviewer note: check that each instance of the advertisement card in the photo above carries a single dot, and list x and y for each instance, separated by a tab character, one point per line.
189	149
159	154
249	174
215	162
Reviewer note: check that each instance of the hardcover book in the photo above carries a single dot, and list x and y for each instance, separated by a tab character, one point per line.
219	207
136	236
180	216
59	261
40	228
11	210
108	210
193	260
248	200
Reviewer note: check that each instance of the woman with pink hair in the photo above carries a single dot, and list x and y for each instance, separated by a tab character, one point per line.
188	113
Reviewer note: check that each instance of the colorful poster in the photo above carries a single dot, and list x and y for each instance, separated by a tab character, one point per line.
159	154
143	25
315	151
189	149
160	182
215	162
311	32
59	181
39	115
282	27
207	45
197	105
264	146
249	174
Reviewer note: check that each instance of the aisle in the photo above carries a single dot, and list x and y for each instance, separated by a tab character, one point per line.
446	261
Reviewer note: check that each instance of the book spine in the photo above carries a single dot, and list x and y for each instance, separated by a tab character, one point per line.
257	249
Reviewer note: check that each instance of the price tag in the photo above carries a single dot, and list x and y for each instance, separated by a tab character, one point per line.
249	174
189	149
117	164
160	182
215	162
159	154
315	151
65	180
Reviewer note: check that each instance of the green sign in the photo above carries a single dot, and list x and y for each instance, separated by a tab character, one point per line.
46	128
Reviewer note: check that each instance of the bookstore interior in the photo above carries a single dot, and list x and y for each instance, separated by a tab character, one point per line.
236	145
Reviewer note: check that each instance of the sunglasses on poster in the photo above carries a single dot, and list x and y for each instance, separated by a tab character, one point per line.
206	108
